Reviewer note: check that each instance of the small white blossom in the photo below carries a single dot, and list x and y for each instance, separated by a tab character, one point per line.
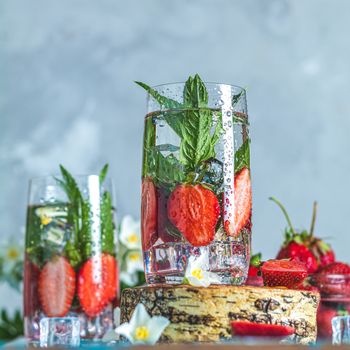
130	233
11	253
130	279
197	273
142	328
134	261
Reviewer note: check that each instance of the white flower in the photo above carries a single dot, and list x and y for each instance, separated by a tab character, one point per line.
130	233
134	261
197	273
111	334
11	253
142	328
130	279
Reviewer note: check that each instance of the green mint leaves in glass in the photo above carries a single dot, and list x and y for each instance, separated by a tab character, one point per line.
196	189
70	254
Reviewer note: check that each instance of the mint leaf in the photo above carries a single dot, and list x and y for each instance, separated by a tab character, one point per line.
103	173
242	157
149	141
107	223
196	145
236	98
169	170
162	100
195	93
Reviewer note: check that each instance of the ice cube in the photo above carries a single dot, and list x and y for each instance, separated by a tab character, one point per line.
62	331
341	330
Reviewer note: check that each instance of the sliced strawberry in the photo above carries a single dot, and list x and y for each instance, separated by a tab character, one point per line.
97	284
148	213
56	287
251	329
167	233
30	280
286	273
194	210
242	204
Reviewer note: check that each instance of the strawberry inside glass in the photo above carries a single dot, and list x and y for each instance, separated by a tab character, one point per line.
70	264
196	188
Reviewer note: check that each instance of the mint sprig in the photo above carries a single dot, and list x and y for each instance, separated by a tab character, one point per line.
79	245
199	132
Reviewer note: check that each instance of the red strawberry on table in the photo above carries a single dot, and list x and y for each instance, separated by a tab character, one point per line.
336	268
242	203
97	284
283	273
148	213
194	210
304	246
296	251
56	287
251	329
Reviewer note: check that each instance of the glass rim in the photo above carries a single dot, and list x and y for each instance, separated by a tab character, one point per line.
210	83
59	176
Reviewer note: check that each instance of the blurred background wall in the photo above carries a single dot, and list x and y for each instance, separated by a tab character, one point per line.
67	96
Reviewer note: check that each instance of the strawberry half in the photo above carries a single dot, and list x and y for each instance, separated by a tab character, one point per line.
284	273
97	284
56	287
148	213
194	210
251	329
242	204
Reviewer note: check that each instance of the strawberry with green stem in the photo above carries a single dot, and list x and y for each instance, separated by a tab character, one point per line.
304	246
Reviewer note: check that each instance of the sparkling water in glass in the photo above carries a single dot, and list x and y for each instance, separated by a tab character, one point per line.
62	331
341	330
196	189
70	267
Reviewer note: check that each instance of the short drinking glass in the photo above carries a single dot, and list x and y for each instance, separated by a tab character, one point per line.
196	188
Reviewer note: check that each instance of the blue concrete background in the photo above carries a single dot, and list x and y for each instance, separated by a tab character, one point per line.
67	96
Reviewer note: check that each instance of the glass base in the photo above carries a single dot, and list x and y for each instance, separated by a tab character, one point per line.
90	328
166	263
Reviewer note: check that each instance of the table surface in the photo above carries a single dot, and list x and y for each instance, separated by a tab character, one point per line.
250	344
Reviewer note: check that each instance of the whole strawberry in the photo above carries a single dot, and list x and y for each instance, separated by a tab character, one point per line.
304	246
333	281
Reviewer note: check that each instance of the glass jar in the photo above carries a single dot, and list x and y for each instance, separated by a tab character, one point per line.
196	188
70	267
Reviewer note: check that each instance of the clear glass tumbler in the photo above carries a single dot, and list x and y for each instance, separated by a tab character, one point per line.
70	254
196	188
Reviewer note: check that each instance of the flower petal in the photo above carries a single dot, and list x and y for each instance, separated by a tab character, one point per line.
125	330
193	281
140	317
157	324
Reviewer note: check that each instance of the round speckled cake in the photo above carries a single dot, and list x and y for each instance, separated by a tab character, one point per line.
204	314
